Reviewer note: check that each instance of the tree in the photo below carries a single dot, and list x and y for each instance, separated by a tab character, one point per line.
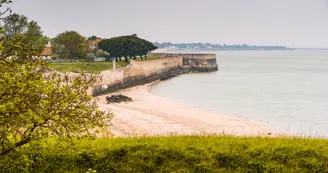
35	105
25	45
91	55
34	31
34	36
93	37
126	46
15	24
8	9
70	45
111	46
30	32
102	53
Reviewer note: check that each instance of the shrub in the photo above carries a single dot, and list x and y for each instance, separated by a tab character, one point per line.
172	154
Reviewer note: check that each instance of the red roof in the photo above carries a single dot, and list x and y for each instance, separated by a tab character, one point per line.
47	51
95	42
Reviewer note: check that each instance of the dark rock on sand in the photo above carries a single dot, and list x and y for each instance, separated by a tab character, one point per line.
118	99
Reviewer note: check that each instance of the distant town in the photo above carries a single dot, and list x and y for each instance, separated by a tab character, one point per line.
217	46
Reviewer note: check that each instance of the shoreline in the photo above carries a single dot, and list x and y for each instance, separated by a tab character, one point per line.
152	115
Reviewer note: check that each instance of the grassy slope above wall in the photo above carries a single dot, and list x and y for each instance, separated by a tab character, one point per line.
91	67
179	154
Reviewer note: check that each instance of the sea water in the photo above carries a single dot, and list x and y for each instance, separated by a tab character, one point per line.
284	89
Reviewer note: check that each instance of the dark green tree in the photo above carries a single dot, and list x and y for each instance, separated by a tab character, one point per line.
127	46
93	37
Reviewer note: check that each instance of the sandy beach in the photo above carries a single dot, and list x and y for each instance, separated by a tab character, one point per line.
151	115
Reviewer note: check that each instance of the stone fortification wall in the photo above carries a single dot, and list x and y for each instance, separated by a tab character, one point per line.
200	62
142	72
137	73
110	76
153	66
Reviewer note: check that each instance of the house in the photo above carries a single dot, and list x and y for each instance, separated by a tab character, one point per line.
93	47
93	44
47	52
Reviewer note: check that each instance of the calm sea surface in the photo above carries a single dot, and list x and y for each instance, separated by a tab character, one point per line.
287	90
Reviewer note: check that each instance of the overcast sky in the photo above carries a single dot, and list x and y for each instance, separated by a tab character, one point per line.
293	23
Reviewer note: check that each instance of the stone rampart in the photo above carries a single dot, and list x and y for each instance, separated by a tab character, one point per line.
200	62
142	72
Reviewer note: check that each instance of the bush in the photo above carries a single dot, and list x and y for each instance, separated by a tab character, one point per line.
102	53
172	154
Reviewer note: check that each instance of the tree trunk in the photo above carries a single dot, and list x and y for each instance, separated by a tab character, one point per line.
145	56
141	57
134	57
120	58
126	59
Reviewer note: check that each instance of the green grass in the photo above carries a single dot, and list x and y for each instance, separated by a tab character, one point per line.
151	57
90	67
175	154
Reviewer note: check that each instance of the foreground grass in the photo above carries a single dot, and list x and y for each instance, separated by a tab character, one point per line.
91	67
173	154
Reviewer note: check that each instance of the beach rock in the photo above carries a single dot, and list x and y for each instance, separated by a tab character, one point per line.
118	99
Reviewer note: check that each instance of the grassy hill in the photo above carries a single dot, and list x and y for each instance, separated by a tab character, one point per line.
175	154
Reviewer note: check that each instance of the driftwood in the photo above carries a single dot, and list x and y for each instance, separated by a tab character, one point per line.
118	99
